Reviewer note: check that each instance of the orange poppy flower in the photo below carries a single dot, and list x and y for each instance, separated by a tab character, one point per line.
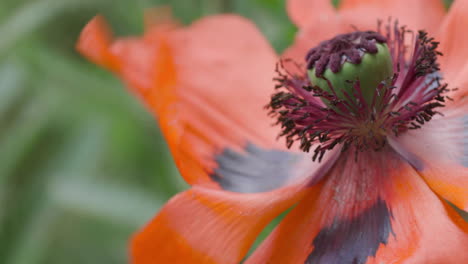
384	161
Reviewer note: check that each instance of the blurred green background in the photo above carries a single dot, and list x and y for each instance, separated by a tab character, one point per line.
82	163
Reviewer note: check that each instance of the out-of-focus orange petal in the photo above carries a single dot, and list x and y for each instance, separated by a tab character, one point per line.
209	226
317	21
415	14
392	217
95	41
302	12
454	45
439	152
207	84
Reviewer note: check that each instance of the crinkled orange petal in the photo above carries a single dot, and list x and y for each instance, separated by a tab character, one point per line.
209	226
454	45
415	14
377	210
438	152
206	83
303	12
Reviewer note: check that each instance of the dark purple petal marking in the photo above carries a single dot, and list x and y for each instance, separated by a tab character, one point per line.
256	170
353	241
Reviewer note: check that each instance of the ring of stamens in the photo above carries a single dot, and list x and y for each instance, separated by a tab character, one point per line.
407	101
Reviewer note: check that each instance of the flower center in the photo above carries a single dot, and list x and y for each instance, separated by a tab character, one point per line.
358	89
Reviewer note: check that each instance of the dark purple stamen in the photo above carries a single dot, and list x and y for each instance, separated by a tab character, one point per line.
343	48
407	101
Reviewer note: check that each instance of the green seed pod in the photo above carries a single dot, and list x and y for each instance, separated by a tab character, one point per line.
348	62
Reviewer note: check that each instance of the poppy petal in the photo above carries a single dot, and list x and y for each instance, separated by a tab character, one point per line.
425	229
376	210
95	41
459	83
454	45
230	221
303	12
439	152
311	35
415	14
206	83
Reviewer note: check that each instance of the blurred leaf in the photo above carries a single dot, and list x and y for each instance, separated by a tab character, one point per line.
29	18
33	241
12	81
22	135
112	203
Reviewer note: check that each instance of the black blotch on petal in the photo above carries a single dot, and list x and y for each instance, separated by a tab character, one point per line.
353	241
255	170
